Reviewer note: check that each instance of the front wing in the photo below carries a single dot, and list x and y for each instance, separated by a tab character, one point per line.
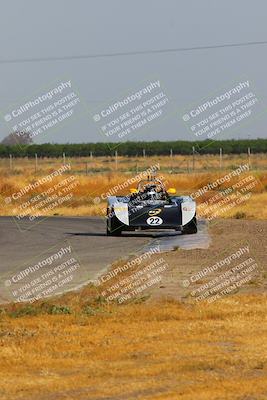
126	217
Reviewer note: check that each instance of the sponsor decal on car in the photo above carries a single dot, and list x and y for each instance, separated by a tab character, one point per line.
187	208
154	212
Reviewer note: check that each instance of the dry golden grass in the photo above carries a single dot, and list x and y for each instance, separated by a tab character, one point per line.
91	190
165	351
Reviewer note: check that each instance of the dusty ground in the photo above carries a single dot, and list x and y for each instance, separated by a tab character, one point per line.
81	347
180	277
227	237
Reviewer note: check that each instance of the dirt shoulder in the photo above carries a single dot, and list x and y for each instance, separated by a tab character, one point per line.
234	262
228	236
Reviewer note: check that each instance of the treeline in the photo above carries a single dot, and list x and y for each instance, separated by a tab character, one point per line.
135	148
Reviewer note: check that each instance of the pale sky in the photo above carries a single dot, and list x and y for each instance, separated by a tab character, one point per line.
33	29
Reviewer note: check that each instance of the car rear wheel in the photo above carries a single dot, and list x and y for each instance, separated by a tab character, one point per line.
113	228
114	232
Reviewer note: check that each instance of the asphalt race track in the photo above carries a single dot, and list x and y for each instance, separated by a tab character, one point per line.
26	244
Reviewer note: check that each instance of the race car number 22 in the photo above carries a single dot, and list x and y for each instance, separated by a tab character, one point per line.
154	221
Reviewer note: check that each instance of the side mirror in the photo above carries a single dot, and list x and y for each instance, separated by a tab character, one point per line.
171	191
132	190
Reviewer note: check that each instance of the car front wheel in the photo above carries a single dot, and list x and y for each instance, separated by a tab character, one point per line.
190	228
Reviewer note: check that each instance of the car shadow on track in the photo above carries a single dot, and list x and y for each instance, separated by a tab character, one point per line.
127	234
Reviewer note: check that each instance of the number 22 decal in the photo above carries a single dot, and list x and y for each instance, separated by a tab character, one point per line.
154	221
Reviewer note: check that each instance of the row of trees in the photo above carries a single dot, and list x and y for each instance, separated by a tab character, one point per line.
135	148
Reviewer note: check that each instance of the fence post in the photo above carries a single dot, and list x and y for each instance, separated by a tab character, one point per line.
171	156
221	158
249	157
10	162
64	158
193	148
144	153
116	160
36	162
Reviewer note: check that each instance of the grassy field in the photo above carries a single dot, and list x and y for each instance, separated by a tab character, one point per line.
162	351
95	178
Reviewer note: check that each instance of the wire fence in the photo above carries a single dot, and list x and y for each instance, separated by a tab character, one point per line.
173	164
